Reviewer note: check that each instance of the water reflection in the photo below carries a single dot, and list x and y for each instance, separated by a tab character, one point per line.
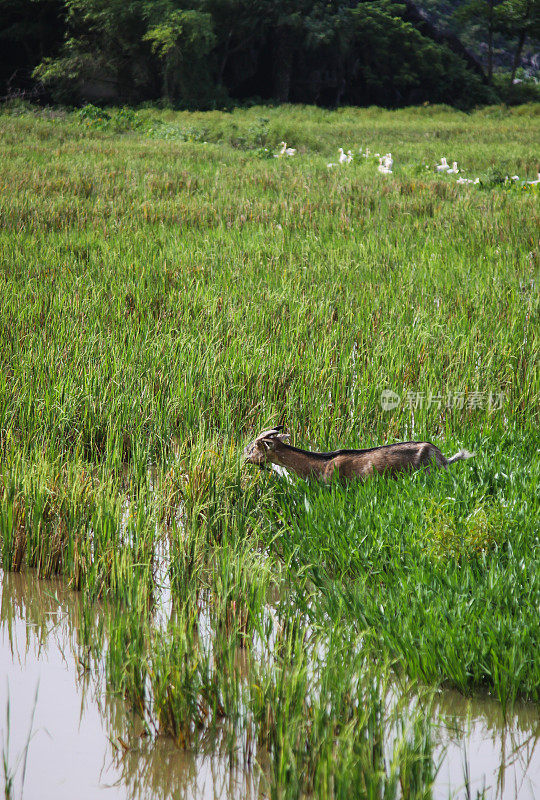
484	750
87	744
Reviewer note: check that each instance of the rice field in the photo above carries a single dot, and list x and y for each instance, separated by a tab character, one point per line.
169	289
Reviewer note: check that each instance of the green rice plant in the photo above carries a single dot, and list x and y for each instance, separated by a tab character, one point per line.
240	582
178	675
126	654
167	290
416	773
12	522
45	514
445	607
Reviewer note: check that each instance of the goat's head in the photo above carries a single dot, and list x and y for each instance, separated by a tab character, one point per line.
262	449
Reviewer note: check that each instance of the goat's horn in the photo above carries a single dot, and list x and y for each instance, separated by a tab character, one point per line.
268	434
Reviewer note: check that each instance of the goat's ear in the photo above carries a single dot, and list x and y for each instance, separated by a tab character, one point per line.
284	437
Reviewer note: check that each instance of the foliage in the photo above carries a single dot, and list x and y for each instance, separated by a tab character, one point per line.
93	115
399	60
182	40
104	52
521	19
469	20
163	299
522	90
30	31
197	54
480	531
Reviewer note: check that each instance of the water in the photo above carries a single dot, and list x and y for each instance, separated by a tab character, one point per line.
86	744
502	758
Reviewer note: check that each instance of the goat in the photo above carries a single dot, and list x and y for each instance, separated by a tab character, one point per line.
271	446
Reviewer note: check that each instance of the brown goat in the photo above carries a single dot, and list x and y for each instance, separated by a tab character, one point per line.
270	447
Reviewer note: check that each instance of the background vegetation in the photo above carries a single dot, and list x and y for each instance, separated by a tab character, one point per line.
217	53
168	289
504	34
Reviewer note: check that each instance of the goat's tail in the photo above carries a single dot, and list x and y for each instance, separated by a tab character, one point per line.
461	455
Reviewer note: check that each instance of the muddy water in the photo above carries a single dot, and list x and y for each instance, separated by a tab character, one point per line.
502	759
85	744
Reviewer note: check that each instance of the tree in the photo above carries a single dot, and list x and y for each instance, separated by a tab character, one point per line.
395	64
191	51
519	19
239	26
104	45
482	12
182	40
137	49
30	30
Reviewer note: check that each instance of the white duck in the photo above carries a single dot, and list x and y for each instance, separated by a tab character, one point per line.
454	170
443	166
287	151
349	156
383	169
342	156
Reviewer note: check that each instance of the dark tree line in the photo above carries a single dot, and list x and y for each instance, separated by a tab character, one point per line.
501	32
207	53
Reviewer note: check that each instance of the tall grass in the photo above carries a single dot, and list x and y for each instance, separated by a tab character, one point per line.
167	289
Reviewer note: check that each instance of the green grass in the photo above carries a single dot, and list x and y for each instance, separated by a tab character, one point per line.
167	290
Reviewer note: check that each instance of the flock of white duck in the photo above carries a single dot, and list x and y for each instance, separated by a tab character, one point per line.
386	163
285	151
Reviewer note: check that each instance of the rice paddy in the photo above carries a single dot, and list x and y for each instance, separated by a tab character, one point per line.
168	290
